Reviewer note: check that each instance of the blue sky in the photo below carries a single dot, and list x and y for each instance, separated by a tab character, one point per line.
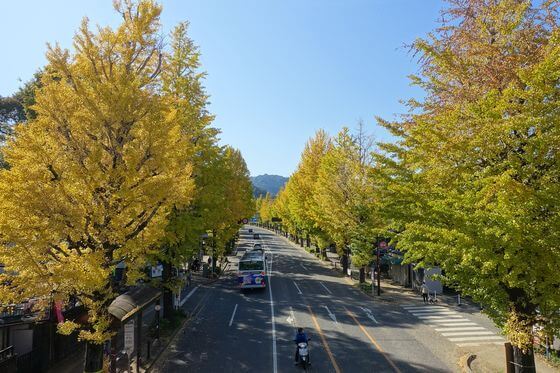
278	70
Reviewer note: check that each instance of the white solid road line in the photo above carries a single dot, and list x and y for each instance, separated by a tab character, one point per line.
189	295
274	357
474	332
459	329
323	285
232	315
483	338
298	289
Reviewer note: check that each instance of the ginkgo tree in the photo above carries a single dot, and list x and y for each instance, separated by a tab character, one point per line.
473	185
344	197
301	187
94	176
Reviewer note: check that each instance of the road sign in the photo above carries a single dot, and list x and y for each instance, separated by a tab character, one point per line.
245	221
129	337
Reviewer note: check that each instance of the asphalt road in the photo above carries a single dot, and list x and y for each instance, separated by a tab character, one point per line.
252	331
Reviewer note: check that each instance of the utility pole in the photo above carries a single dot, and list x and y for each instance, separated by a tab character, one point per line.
378	272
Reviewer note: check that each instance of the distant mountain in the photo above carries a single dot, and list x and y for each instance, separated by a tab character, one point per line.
258	192
268	183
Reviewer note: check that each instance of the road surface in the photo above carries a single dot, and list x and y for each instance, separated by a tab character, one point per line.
252	331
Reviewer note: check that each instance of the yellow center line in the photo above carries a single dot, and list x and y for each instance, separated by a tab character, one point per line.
372	340
324	340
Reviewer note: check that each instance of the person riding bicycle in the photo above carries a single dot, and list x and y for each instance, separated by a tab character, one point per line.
301	337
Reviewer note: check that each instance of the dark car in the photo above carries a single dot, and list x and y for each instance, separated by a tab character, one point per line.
250	230
256	236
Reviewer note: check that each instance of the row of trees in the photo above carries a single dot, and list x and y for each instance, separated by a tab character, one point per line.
472	182
113	159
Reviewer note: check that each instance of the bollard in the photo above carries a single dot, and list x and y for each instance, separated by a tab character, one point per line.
458	299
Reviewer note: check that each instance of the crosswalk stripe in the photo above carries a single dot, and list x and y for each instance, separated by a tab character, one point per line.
425	308
459	329
451	321
441	313
484	338
474	332
451	317
478	344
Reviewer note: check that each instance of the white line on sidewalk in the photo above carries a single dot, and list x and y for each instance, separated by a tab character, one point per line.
298	289
232	315
189	295
323	285
274	357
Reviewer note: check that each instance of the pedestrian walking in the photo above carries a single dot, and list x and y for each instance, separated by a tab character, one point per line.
189	277
425	292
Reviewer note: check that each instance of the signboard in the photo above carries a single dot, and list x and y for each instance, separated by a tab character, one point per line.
157	270
129	336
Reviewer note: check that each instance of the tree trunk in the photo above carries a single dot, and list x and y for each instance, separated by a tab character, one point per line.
524	360
94	358
362	275
167	293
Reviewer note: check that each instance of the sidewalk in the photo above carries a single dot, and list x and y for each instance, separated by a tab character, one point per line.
75	363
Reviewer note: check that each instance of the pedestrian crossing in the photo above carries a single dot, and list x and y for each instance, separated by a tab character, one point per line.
454	326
